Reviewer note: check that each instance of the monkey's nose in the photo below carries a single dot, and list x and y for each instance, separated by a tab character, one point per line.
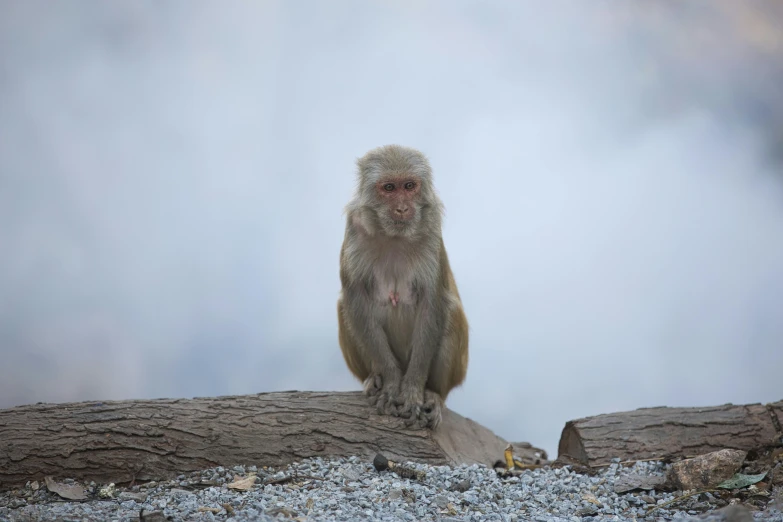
401	211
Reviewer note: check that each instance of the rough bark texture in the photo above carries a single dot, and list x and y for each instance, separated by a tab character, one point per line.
117	441
670	432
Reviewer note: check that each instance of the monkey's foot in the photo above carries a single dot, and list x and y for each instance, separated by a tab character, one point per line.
386	403
420	412
373	386
432	410
384	398
425	413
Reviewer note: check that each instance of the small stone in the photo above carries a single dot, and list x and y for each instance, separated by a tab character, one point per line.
177	491
136	497
380	463
731	513
441	501
351	474
461	486
587	511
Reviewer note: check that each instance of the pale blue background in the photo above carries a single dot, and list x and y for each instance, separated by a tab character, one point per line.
173	174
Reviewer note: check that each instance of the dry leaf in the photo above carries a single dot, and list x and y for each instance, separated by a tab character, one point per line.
67	491
591	499
741	481
243	484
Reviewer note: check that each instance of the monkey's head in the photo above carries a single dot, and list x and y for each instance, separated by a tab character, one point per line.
395	182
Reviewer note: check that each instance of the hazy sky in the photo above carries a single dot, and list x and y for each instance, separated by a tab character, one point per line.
173	177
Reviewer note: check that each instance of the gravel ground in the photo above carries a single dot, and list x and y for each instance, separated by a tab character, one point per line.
351	489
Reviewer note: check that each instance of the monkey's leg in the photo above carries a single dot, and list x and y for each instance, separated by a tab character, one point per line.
425	343
348	345
372	383
368	355
448	368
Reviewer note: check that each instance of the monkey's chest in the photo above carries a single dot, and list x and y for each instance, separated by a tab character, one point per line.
396	298
394	288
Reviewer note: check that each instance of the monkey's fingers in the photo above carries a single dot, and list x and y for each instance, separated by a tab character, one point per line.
423	421
408	409
386	403
413	422
413	418
433	418
432	409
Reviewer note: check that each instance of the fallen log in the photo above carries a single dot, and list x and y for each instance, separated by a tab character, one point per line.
123	441
661	433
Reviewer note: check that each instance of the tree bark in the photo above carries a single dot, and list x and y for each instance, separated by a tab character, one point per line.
120	441
649	433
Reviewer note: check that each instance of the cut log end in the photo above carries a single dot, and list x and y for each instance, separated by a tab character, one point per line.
571	446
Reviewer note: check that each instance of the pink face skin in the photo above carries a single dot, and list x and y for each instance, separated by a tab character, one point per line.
399	194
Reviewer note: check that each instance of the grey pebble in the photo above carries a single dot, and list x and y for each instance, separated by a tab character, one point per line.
130	495
176	491
441	501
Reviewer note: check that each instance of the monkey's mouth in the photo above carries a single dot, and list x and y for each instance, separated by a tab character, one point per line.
399	223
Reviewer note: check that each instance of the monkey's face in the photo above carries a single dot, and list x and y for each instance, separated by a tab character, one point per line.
399	202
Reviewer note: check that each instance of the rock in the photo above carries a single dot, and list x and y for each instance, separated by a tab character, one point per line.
732	513
706	471
137	497
441	501
461	486
153	516
628	483
183	492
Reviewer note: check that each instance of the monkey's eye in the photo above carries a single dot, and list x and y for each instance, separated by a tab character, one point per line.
388	187
410	185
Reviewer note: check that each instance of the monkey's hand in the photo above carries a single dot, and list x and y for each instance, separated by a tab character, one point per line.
419	408
432	411
383	392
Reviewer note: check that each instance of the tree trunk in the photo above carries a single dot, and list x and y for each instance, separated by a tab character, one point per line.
670	432
118	441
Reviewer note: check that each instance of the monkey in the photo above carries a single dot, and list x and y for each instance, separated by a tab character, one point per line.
402	328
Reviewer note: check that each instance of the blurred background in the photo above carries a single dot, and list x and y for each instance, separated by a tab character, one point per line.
173	177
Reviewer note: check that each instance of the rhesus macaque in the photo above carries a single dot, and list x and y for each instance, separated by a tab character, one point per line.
402	329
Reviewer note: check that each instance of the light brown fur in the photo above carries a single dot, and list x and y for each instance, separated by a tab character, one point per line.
401	325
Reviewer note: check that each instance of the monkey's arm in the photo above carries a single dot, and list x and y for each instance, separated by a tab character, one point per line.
368	342
372	347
